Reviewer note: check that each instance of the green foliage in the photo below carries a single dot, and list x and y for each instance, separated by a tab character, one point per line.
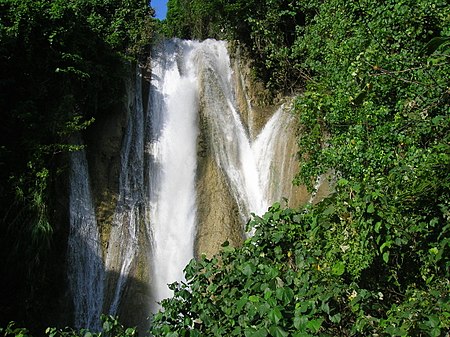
373	259
111	327
62	63
268	29
382	102
303	274
377	113
197	19
12	330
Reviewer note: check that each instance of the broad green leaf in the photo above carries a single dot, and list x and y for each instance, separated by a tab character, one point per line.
263	309
303	307
228	249
275	315
267	293
242	301
285	294
107	326
130	331
377	227
433	321
194	333
248	269
342	182
338	268
277	331
253	332
237	331
335	318
386	256
315	324
253	298
300	321
325	307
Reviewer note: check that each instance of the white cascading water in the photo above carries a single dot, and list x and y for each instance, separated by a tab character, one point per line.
172	148
157	186
187	76
231	144
84	254
269	145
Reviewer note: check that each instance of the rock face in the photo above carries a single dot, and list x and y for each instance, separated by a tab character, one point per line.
103	147
257	105
105	140
218	218
253	100
217	213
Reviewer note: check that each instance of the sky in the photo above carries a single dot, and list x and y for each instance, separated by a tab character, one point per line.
160	7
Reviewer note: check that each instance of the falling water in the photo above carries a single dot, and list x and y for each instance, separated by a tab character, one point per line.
130	210
248	165
273	155
157	201
189	78
86	274
231	144
173	162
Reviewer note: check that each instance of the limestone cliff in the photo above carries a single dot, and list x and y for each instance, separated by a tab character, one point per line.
217	213
256	105
105	141
218	218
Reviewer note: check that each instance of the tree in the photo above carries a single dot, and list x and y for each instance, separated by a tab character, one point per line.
62	63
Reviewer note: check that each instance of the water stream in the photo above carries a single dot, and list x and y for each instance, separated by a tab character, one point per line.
85	265
173	161
131	206
157	200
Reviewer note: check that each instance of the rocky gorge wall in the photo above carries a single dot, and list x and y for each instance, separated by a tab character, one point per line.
217	213
218	218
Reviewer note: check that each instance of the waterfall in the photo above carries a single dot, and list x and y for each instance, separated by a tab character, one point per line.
86	273
191	78
231	144
151	235
130	210
173	160
274	156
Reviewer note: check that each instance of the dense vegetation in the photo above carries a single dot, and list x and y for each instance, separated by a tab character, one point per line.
62	63
373	109
373	96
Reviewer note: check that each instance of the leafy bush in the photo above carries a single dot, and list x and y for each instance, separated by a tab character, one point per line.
111	327
268	29
373	259
302	274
